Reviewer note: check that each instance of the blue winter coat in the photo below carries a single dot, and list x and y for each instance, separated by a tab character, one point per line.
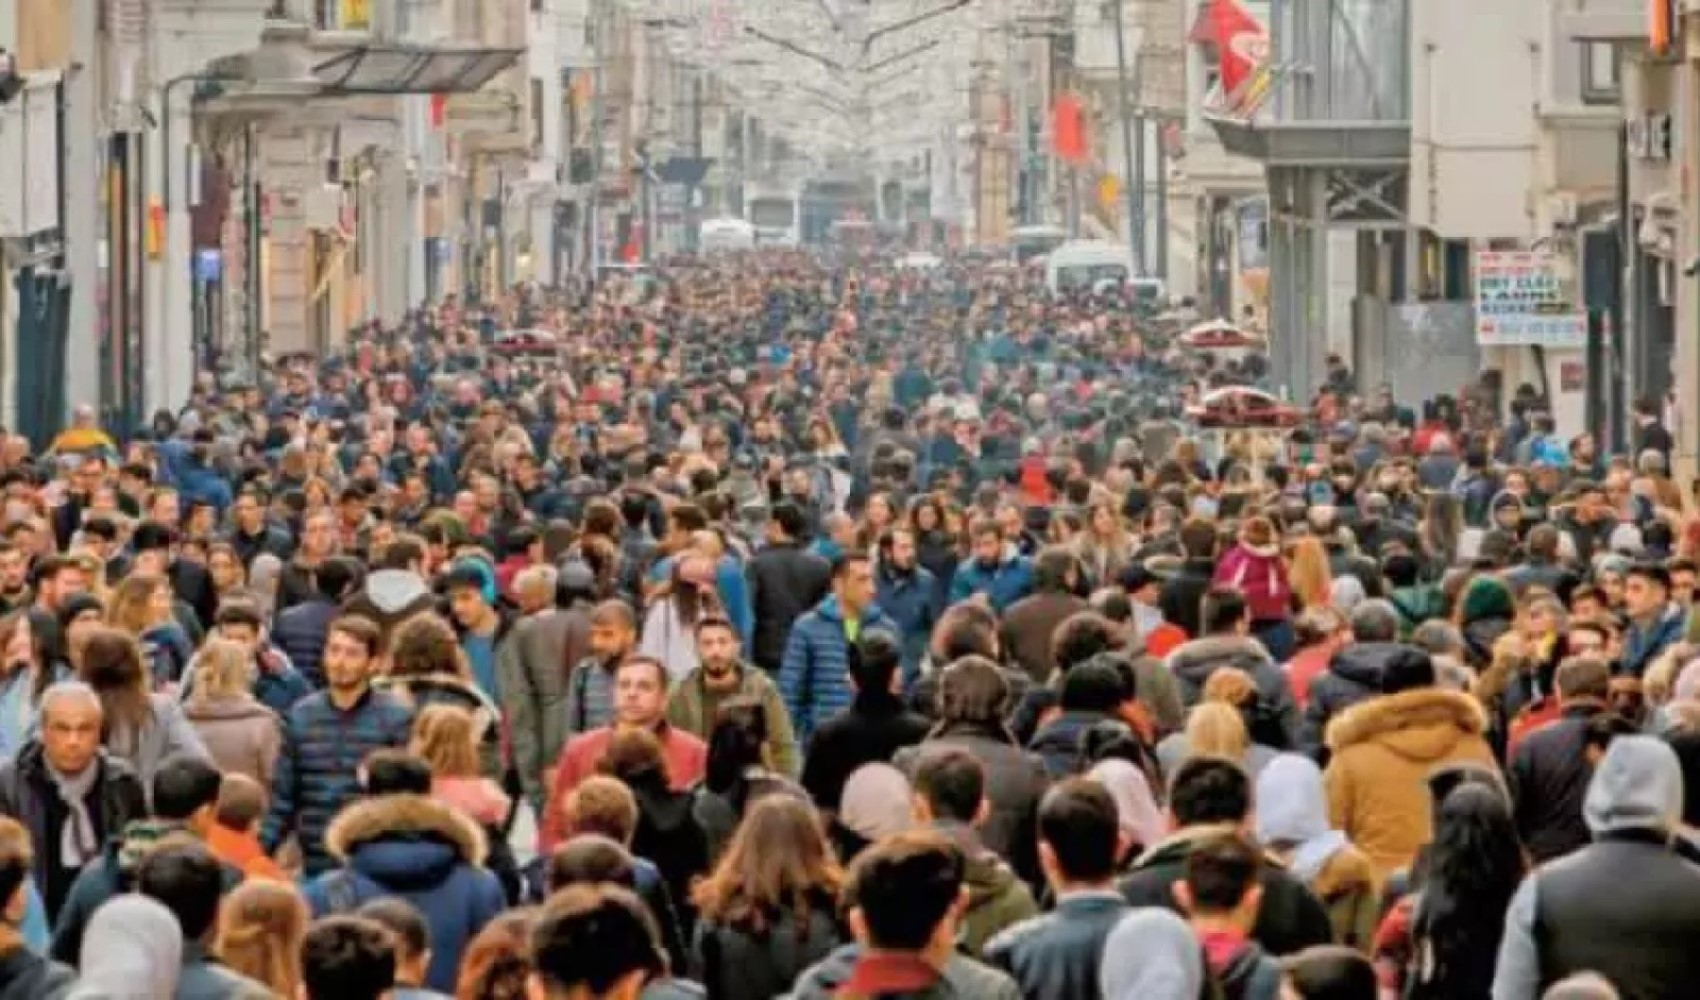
280	687
814	678
911	600
166	650
1007	582
323	746
1642	645
424	852
193	479
300	632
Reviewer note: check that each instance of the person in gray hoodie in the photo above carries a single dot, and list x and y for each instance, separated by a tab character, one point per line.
1625	906
396	590
1151	954
133	948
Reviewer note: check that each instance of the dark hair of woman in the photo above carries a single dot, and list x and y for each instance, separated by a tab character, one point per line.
1472	869
112	665
734	746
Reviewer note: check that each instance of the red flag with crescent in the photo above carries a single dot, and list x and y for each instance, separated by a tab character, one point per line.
1242	43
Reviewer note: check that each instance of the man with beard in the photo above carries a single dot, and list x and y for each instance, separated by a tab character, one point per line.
15	590
326	735
909	594
722	675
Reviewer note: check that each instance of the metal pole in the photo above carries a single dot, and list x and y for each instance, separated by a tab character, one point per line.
1133	188
1162	263
1621	305
255	233
593	217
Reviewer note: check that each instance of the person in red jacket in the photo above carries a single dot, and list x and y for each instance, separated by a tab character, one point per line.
1253	566
640	702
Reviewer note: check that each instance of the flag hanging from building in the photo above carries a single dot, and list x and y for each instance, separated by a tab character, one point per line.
1069	129
1242	52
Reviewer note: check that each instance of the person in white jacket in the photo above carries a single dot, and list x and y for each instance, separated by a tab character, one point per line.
669	627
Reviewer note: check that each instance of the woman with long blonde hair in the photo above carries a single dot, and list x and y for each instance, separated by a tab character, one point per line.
767	910
1308	573
261	924
241	734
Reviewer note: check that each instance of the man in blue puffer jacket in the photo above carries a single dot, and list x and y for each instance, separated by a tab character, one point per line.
326	736
814	678
996	569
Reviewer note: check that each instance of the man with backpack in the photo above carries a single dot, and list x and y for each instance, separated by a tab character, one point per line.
590	692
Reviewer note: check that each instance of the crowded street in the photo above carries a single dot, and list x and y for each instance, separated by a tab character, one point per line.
776	624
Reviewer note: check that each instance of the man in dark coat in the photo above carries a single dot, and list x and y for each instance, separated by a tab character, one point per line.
1354	673
871	730
1030	623
67	792
1205	795
1624	905
1183	596
786	580
185	802
326	737
189	881
1550	768
300	631
155	548
1080	839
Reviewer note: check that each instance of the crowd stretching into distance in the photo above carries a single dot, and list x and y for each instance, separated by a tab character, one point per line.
764	626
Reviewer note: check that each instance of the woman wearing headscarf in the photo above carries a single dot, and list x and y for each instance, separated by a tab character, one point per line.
1292	824
875	806
1152	954
133	948
1140	818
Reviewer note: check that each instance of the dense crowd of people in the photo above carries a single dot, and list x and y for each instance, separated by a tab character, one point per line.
839	631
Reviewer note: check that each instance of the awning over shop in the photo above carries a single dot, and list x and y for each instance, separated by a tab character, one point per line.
394	68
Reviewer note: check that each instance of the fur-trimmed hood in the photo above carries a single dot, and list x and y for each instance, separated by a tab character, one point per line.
1424	724
420	690
402	839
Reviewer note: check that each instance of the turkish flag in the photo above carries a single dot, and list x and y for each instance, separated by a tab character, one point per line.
1069	135
1242	43
439	109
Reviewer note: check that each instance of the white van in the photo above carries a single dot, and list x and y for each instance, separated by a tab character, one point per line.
1087	264
717	235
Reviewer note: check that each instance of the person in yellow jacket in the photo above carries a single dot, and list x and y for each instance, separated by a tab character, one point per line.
84	436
